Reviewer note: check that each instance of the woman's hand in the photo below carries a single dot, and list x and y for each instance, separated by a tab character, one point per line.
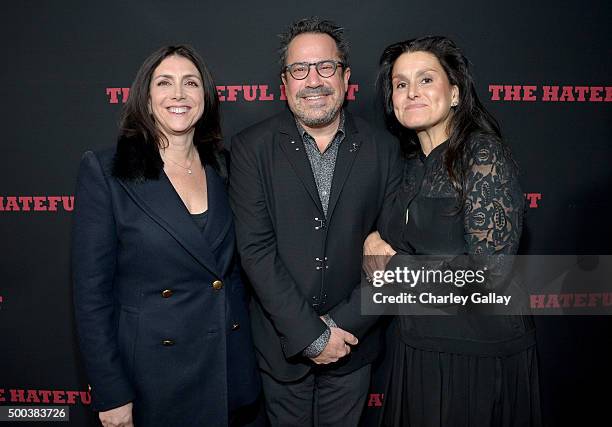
118	417
376	254
375	245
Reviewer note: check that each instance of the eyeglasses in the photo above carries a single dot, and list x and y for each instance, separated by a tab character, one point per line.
300	70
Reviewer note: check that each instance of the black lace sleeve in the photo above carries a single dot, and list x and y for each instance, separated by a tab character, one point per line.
494	203
493	211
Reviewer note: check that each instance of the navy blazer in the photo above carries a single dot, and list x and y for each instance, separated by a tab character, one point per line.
160	308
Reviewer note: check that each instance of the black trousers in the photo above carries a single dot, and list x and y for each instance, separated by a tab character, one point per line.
252	415
317	400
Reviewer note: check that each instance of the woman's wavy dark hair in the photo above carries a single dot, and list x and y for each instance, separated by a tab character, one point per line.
140	137
468	117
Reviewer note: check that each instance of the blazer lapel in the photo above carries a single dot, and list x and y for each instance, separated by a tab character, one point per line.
347	153
293	147
219	213
162	203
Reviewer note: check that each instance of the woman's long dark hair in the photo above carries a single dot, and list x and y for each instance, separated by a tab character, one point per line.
140	137
468	117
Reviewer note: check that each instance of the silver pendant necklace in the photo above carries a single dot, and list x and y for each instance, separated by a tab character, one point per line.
188	167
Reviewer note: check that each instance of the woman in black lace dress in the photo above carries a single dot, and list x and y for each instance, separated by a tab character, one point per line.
460	196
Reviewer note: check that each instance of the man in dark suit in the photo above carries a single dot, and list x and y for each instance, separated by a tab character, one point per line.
307	186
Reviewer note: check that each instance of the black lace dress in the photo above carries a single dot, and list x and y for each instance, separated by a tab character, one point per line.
462	369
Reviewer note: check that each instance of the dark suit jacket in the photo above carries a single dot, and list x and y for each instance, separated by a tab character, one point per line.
299	265
152	328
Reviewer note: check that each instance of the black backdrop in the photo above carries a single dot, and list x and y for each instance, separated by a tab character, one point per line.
67	64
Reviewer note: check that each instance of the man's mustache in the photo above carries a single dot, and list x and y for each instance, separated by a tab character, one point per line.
315	91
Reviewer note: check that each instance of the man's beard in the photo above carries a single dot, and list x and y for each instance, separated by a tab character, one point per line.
329	113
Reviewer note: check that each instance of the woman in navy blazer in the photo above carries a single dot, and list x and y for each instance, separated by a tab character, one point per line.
159	304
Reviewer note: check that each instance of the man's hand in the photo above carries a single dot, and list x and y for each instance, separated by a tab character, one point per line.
337	347
118	417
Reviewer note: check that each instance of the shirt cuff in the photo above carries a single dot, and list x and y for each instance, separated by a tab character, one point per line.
318	345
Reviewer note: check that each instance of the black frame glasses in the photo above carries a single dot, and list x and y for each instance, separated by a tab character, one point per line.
325	69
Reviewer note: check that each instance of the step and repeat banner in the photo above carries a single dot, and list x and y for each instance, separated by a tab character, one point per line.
541	67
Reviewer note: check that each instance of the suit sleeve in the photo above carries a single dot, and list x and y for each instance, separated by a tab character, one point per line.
348	314
293	317
94	243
